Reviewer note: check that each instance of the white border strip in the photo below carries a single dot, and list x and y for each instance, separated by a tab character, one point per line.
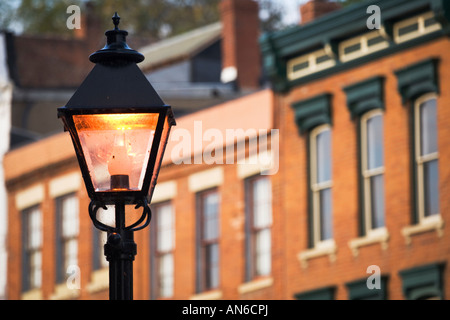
29	197
205	179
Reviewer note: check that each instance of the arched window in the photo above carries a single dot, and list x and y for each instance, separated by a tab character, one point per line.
372	166
321	183
426	157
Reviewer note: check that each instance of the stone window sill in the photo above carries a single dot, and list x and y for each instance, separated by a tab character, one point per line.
255	285
63	292
434	223
326	248
380	235
99	280
208	295
35	294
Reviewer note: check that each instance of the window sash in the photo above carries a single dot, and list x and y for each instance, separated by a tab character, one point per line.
34	217
321	184
373	171
163	245
67	207
35	269
32	248
209	217
165	267
258	230
428	193
210	264
262	252
70	218
325	205
165	228
208	240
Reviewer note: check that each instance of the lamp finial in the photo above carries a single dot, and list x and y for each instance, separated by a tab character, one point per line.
116	48
116	21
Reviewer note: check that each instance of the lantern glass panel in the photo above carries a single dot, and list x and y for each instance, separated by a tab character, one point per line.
116	148
168	122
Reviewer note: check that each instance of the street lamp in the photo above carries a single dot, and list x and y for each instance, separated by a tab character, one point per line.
119	128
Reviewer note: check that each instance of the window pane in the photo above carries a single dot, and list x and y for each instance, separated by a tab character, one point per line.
377	200
263	252
323	145
431	186
71	251
36	269
32	257
428	127
375	152
70	223
166	275
35	237
210	216
212	266
207	271
326	217
262	210
165	228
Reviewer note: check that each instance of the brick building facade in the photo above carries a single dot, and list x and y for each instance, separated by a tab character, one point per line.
46	189
357	110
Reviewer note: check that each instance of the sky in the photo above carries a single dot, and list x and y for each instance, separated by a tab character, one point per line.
291	10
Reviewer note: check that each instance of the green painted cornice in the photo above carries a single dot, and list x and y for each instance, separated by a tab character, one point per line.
278	47
359	290
441	9
326	293
418	79
365	96
423	281
312	112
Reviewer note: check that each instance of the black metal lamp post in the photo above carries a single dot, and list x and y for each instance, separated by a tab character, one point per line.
119	128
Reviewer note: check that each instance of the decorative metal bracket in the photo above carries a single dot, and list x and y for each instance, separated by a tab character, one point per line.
146	216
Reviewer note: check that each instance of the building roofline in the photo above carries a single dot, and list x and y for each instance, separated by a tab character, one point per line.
327	31
181	46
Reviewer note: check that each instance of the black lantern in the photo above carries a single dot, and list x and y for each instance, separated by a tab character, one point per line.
119	128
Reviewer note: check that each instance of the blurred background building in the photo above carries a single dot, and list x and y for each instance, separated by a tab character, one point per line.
354	182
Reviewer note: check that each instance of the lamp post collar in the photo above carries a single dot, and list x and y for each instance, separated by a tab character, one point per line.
116	50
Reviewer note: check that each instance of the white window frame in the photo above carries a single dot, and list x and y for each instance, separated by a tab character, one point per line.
367	174
365	49
256	231
316	188
34	244
167	290
422	30
313	65
70	229
435	221
420	160
204	242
